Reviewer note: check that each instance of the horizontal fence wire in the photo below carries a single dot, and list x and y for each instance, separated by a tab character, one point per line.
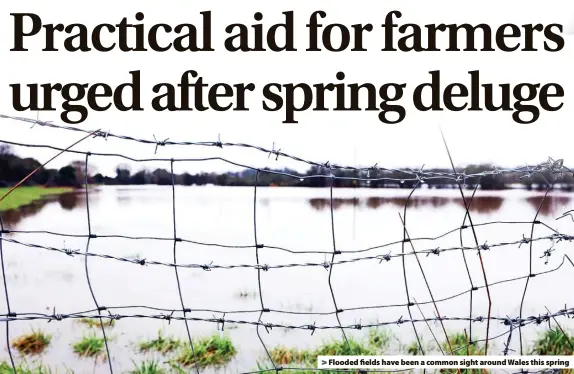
380	253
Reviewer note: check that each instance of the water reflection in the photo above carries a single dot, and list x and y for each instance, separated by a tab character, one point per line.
377	202
67	201
413	202
482	204
321	203
551	205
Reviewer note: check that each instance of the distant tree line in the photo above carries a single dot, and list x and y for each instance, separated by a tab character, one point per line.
13	169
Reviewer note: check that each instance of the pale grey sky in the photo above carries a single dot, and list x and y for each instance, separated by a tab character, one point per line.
347	138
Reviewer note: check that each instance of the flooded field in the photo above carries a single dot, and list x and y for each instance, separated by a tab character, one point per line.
294	230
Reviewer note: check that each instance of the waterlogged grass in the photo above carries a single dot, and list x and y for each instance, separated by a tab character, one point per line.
457	340
93	322
33	343
90	346
26	195
213	351
553	343
459	345
269	368
218	350
379	339
160	344
341	348
413	348
376	343
148	367
6	368
285	356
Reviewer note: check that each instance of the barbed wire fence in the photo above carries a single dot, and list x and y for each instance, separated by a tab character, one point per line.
327	171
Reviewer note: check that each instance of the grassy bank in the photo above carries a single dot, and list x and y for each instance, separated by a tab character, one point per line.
26	195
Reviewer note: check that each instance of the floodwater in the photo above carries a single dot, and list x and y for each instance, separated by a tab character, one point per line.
369	289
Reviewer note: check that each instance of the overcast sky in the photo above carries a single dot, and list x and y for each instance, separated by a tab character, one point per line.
353	138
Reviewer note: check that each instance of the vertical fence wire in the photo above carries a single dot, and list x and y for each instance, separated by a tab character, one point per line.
175	241
467	208
335	252
10	314
530	273
90	236
472	287
408	238
409	303
259	287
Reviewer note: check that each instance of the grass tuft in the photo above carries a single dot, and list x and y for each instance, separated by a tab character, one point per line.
553	343
90	346
33	343
211	351
161	344
376	343
6	368
269	368
460	347
459	344
413	348
148	367
284	356
379	339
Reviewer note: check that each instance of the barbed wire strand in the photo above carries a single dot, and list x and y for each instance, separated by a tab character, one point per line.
298	252
217	144
526	170
536	319
266	267
277	153
452	297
